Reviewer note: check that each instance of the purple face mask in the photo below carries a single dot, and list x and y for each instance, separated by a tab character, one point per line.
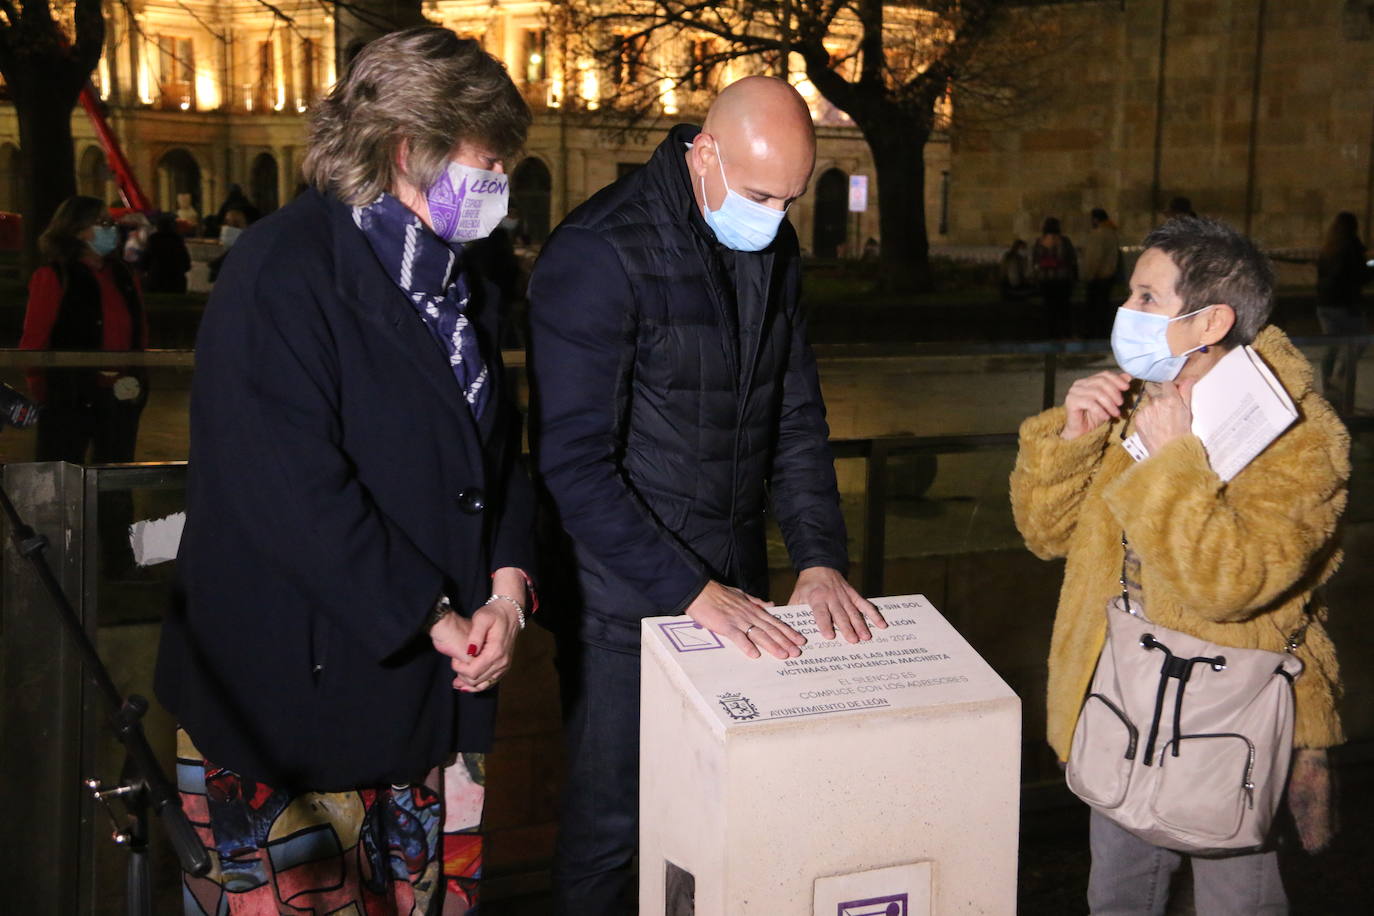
467	203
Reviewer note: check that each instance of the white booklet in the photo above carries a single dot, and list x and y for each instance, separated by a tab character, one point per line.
1238	409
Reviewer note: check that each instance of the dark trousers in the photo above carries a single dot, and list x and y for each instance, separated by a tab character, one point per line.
1336	320
1056	296
107	427
599	822
1099	306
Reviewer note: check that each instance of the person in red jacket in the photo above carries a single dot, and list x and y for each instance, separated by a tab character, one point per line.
85	298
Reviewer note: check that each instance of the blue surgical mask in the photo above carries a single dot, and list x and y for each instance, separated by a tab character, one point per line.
740	223
105	240
1140	343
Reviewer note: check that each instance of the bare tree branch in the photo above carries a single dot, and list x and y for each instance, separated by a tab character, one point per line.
276	11
89	21
873	59
221	37
891	67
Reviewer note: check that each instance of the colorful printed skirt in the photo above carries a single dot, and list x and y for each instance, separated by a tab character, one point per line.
385	851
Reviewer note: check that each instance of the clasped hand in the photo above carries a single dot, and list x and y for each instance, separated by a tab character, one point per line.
480	648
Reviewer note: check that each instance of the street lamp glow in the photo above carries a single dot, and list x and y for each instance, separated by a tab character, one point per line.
207	91
145	94
590	90
279	74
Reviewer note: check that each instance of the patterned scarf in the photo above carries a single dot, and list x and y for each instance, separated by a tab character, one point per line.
423	266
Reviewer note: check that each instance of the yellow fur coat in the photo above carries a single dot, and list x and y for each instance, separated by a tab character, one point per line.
1231	563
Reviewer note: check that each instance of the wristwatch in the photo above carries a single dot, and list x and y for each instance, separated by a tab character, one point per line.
441	610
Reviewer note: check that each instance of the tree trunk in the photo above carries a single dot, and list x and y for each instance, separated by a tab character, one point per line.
899	160
47	159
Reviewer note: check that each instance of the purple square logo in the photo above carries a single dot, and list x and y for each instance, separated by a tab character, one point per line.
893	905
690	636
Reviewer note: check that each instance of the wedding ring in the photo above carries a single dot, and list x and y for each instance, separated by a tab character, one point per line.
752	626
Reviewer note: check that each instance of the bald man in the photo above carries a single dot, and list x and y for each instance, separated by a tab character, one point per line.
673	399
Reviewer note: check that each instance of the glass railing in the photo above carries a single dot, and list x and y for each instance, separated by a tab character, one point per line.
872	391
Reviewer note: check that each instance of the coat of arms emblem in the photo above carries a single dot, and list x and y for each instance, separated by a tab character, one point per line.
738	706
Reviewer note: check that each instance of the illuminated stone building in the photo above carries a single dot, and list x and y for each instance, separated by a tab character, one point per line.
1260	112
200	93
205	93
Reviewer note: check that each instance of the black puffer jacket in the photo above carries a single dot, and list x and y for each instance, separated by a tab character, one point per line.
673	391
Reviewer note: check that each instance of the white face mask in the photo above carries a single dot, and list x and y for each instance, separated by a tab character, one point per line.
228	235
1140	343
467	203
740	223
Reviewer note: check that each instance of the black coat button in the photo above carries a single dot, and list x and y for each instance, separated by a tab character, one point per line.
472	501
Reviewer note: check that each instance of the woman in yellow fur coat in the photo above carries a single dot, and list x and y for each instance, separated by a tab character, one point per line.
1233	563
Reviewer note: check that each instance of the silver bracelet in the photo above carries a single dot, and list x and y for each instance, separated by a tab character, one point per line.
519	608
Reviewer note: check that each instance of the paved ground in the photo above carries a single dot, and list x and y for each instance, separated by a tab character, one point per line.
870	390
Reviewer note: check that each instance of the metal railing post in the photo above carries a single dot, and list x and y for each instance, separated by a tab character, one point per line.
1352	356
1047	389
875	517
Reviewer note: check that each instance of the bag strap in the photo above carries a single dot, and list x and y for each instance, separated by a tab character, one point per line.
1125	592
1298	638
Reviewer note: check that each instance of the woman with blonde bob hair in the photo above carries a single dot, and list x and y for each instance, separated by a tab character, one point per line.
357	554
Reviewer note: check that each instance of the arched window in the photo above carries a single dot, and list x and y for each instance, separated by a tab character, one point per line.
531	194
92	173
9	178
264	183
832	213
178	182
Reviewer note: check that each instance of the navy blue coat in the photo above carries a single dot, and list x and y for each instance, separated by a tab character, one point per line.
673	393
338	484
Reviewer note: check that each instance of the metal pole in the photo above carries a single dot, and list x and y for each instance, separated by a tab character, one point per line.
875	518
1352	356
1256	73
1047	391
1159	111
1369	178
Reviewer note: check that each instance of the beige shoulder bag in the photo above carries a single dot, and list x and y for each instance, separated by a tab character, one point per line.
1183	742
